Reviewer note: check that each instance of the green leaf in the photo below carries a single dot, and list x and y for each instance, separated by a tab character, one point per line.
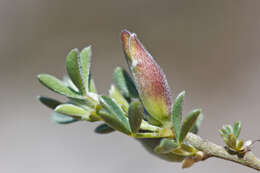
189	148
57	86
124	83
151	120
91	85
228	129
240	144
166	146
113	115
188	123
177	115
236	129
62	119
68	82
116	95
73	110
185	150
85	63
135	115
223	132
231	141
225	140
74	70
49	102
103	129
195	128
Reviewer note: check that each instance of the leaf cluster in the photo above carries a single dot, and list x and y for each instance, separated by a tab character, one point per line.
191	123
230	136
121	110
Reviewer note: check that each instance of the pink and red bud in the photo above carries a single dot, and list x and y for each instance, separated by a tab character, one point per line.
149	78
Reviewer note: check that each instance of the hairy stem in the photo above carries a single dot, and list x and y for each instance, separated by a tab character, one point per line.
208	148
212	150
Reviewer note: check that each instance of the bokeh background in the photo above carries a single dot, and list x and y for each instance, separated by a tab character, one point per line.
210	48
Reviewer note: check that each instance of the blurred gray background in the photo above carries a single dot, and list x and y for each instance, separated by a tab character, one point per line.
210	48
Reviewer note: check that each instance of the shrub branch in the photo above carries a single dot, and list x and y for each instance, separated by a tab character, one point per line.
212	150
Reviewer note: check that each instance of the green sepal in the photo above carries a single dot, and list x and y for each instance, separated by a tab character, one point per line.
113	115
166	146
177	115
124	83
62	119
188	123
58	86
237	129
116	95
103	129
135	115
49	102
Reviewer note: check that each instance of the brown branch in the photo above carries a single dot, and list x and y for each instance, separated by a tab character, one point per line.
212	150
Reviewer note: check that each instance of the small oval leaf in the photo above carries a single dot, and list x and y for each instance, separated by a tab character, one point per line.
228	129
74	70
223	132
91	85
49	102
72	110
62	119
116	95
188	123
104	129
237	129
177	115
85	63
240	144
124	83
135	115
57	86
195	128
231	141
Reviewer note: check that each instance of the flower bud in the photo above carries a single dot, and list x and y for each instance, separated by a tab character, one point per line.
149	78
